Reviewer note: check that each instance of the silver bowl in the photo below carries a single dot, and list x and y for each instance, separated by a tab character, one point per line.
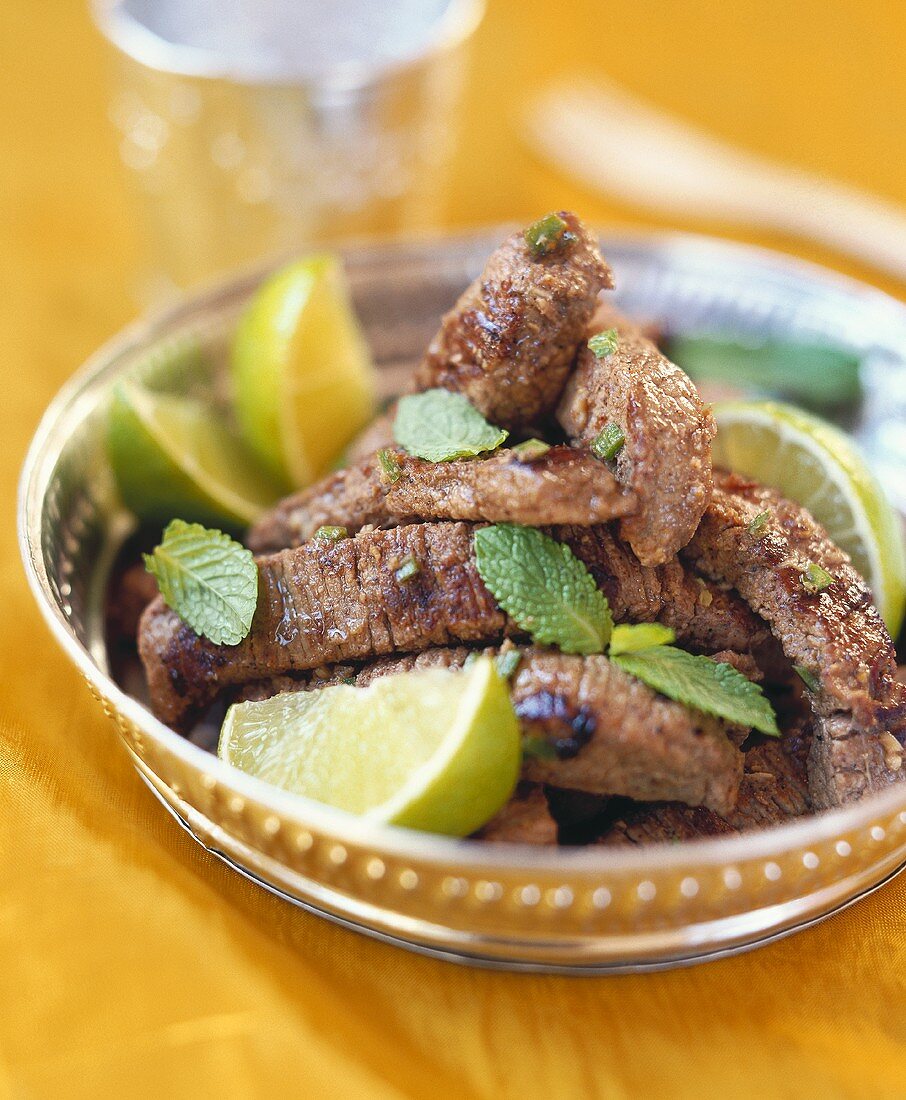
492	904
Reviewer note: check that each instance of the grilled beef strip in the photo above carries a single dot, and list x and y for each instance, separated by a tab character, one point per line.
774	789
605	731
323	603
835	634
666	456
525	819
374	436
329	602
510	341
561	486
704	615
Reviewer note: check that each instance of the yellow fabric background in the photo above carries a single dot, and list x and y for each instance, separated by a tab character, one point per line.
135	965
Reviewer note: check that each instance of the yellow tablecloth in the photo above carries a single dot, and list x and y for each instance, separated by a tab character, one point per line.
133	964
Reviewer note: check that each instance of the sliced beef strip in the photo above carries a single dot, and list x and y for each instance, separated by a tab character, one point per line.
131	590
613	735
329	602
324	603
525	819
774	789
705	615
510	341
606	731
666	457
561	486
374	436
836	634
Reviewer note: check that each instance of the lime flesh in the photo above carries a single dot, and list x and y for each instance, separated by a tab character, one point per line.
302	375
817	465
436	749
174	457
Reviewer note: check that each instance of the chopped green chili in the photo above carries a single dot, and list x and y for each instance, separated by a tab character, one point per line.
548	235
531	449
331	534
390	467
815	579
608	442
407	569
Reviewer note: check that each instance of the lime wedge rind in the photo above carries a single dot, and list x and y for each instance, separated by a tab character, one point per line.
819	466
302	375
436	750
175	457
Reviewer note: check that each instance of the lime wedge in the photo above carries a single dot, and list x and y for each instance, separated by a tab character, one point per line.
173	456
814	463
302	375
437	750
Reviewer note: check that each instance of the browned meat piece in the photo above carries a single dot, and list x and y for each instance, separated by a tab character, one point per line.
704	615
742	662
510	340
525	819
374	436
561	486
130	593
614	735
327	602
774	789
607	732
323	603
666	457
836	634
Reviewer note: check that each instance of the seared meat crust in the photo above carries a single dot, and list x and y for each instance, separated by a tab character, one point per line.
374	436
324	603
525	819
608	733
774	789
509	342
328	602
561	486
666	457
704	615
836	634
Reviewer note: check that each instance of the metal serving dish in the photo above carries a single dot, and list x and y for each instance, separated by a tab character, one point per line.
573	909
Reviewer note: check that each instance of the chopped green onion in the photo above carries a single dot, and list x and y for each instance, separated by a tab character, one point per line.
390	466
539	748
407	569
604	343
508	662
331	534
757	523
808	677
470	659
530	450
815	579
608	443
547	235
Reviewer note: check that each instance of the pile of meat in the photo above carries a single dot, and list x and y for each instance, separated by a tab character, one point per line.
666	537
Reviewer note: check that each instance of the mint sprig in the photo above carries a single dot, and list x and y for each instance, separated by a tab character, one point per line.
208	579
696	681
440	425
544	588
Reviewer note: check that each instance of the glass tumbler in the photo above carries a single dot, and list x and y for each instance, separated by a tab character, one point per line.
257	127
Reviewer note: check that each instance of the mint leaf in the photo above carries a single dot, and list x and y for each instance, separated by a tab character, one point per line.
699	682
210	581
440	425
629	639
543	587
